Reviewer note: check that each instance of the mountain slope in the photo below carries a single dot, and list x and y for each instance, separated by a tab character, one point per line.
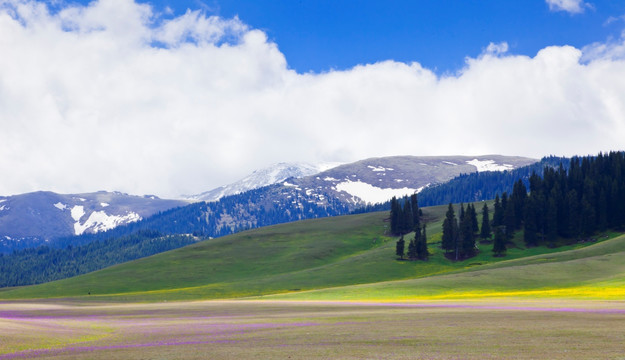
328	253
376	180
40	216
263	177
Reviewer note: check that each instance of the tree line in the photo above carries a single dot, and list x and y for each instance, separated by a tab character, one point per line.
479	186
43	264
563	204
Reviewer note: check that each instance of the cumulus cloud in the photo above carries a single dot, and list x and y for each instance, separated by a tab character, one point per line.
570	6
113	96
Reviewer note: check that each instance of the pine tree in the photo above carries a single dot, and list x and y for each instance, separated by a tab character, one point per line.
473	216
499	244
462	213
395	215
422	246
574	214
519	196
530	231
467	237
408	225
412	250
509	220
450	226
551	221
498	213
485	232
414	204
399	247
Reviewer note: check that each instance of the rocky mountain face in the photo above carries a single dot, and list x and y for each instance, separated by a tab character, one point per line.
40	216
263	177
376	180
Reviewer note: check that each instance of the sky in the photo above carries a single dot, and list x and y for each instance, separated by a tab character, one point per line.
179	97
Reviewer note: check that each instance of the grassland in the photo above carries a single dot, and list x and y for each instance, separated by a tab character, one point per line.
346	258
329	288
309	330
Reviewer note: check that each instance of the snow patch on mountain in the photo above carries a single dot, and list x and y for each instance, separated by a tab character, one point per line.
103	204
489	165
372	194
263	177
101	221
60	206
379	168
77	212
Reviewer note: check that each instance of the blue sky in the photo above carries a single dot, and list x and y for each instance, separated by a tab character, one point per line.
319	35
175	98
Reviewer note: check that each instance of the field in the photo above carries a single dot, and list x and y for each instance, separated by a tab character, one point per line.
329	288
309	330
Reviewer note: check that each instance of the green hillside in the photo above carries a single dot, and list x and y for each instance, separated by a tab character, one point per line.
346	257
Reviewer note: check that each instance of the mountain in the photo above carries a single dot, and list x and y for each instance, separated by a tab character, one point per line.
37	217
28	220
376	180
263	177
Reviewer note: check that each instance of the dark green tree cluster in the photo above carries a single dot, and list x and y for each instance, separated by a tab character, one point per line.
572	204
405	215
459	235
484	185
43	264
418	248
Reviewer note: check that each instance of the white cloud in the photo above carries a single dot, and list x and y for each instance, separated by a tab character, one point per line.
570	6
611	50
496	49
111	96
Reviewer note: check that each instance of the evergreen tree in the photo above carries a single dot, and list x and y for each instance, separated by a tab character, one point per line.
407	224
422	246
485	232
575	216
450	233
530	233
499	244
519	196
498	213
551	222
462	213
399	247
414	204
473	217
467	238
509	220
395	214
412	250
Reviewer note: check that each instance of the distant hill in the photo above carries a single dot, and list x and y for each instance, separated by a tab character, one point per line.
29	220
35	218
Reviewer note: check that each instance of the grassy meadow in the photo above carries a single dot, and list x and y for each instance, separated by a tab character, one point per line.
312	330
347	258
329	288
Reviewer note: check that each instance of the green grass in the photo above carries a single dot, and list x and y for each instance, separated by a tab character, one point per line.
345	257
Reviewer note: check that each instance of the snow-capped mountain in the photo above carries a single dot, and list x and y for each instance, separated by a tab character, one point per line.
44	215
263	177
376	180
280	193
